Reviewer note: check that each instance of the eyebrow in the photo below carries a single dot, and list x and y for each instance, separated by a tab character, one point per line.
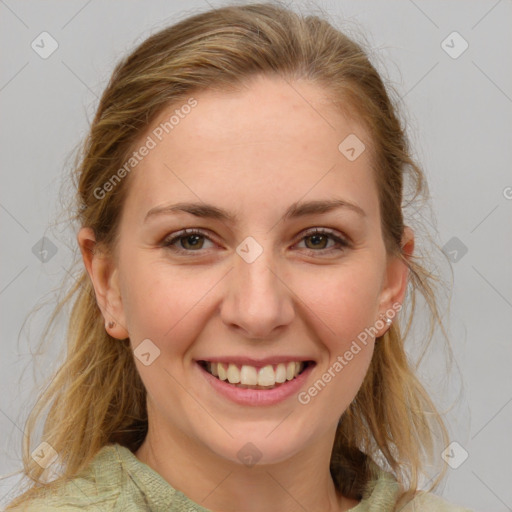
296	210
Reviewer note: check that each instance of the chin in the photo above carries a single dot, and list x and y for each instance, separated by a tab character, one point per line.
261	449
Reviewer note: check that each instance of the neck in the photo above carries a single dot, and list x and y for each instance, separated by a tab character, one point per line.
301	482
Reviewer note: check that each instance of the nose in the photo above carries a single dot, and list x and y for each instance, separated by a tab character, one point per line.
257	301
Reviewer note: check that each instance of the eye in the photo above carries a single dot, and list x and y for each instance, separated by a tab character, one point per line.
319	236
192	240
190	237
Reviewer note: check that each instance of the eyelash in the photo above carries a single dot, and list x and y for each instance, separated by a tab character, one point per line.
170	241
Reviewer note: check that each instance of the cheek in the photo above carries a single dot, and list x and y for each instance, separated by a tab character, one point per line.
340	309
343	300
163	303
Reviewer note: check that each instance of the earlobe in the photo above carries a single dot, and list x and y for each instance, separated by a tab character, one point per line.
104	278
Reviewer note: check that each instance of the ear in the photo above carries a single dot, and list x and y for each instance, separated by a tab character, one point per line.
105	279
396	278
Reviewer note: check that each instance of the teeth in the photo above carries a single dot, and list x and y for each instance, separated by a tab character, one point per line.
281	373
233	374
248	375
221	371
252	376
290	371
266	376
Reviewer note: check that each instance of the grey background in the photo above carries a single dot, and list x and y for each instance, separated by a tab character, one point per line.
459	119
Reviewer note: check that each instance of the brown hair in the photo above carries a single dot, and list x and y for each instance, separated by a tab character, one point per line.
97	397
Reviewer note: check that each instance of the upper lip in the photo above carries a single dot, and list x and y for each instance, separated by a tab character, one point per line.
257	362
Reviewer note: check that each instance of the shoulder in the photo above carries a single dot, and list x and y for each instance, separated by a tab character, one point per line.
382	492
101	486
428	502
114	481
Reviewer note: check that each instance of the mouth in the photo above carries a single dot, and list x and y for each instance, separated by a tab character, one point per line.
266	377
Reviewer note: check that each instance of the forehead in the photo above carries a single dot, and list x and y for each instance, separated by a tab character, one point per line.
267	145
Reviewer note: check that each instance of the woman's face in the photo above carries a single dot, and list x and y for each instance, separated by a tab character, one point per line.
255	287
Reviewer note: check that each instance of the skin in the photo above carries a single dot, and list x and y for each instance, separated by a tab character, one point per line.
254	153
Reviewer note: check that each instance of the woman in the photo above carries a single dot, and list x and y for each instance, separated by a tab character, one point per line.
235	340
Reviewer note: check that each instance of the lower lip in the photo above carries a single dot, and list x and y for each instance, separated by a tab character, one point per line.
244	396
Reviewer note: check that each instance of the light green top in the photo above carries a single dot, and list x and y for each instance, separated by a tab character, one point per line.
117	481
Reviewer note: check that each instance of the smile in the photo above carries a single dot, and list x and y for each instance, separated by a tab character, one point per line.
252	377
281	379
